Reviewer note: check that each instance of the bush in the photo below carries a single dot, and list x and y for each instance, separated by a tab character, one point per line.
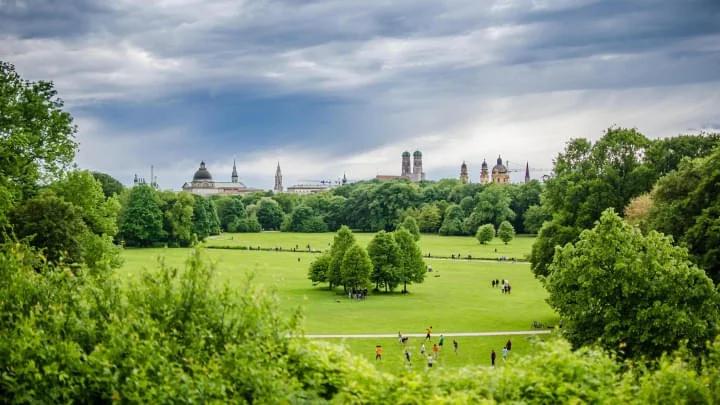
243	225
485	233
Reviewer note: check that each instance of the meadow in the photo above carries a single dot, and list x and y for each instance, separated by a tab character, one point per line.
456	296
433	244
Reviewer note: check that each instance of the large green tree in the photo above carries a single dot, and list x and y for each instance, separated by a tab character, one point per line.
37	138
625	291
110	185
412	267
411	225
453	222
205	218
356	268
506	232
587	179
229	209
342	241
269	214
178	218
492	207
385	256
318	271
686	205
485	233
141	220
429	218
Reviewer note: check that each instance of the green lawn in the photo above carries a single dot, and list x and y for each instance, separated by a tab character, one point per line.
456	296
471	350
435	245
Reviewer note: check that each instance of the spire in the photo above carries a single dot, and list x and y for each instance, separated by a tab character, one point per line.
344	179
278	188
527	172
234	176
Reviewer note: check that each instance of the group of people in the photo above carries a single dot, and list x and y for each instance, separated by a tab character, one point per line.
504	285
432	356
505	351
358	294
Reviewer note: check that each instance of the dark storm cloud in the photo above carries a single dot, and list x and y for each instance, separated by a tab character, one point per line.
51	18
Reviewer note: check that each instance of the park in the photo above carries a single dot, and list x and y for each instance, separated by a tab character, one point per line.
456	297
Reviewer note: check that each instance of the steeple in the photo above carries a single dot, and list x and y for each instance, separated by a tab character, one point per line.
234	177
527	172
463	173
278	188
484	178
344	179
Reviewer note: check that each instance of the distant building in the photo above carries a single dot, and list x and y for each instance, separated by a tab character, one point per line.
463	173
203	184
527	172
500	174
278	188
484	177
416	174
308	188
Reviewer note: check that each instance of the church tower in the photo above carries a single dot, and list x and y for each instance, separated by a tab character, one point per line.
278	188
405	170
484	178
234	176
500	173
417	174
463	173
527	172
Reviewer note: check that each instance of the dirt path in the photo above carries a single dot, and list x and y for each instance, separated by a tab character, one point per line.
421	335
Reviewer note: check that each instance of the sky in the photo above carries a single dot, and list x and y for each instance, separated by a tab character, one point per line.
333	87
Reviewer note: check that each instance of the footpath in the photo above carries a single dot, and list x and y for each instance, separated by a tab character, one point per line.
422	335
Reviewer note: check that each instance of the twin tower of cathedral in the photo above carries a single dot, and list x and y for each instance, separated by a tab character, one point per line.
500	173
417	173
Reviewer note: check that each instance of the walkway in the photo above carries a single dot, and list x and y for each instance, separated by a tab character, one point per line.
422	335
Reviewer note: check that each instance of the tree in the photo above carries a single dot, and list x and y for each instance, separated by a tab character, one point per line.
314	224
36	137
385	256
620	289
141	221
296	221
205	218
53	225
318	272
229	209
412	267
493	207
429	218
244	225
110	185
178	224
453	222
534	218
686	205
588	178
506	232
269	214
411	225
637	211
81	189
522	197
341	243
485	233
356	268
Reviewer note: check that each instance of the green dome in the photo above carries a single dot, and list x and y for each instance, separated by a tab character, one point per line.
406	154
417	154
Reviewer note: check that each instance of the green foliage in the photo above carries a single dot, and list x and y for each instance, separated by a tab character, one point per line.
109	184
52	225
453	222
84	192
356	268
412	267
341	243
665	154
687	206
178	218
141	220
318	272
385	256
632	293
229	209
410	224
534	218
36	137
485	233
522	197
506	232
304	219
588	178
492	207
243	225
269	214
429	218
205	218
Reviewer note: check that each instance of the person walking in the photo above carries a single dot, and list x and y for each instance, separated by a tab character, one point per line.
492	357
422	349
504	353
455	346
508	345
407	355
428	331
378	352
436	350
442	340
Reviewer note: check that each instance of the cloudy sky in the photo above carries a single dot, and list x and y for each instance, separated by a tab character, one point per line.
328	87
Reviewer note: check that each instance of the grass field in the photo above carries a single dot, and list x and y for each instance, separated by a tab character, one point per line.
456	296
435	245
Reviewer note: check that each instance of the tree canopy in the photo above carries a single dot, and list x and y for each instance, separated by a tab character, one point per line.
636	294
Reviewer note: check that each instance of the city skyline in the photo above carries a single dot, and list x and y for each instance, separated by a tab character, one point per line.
333	87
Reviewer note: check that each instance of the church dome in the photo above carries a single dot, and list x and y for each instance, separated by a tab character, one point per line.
484	164
406	154
202	173
463	165
417	154
499	166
